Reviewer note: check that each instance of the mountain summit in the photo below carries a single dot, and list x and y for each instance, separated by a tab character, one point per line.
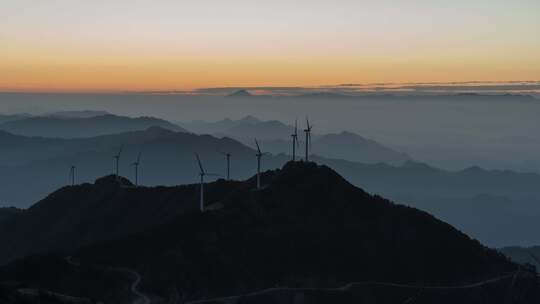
240	93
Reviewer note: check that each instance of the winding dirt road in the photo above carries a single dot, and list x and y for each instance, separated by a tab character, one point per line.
352	284
140	298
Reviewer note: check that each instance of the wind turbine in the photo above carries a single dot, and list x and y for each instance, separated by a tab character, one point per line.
72	175
136	165
228	156
259	156
117	161
308	138
202	173
294	140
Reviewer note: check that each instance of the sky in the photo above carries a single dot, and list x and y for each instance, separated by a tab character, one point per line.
151	45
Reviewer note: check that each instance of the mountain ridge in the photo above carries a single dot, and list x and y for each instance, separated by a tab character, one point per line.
80	127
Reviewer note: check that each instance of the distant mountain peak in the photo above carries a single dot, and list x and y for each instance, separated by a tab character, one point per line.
240	93
249	119
77	114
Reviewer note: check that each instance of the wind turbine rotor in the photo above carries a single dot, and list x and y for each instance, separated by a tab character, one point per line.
119	152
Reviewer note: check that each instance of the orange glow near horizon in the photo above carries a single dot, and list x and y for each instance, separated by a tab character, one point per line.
101	46
121	74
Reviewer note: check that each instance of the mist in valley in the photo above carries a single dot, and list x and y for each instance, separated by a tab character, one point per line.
450	131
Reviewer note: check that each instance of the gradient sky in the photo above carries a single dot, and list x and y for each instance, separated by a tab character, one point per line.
102	45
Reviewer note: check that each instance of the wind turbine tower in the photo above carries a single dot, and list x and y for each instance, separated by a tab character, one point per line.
259	156
202	173
136	165
72	175
117	162
294	140
308	138
228	156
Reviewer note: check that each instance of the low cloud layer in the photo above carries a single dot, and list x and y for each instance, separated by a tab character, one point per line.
515	87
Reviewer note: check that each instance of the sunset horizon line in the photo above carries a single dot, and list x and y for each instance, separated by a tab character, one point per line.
201	89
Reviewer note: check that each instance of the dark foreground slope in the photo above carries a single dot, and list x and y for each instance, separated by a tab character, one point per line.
80	215
307	228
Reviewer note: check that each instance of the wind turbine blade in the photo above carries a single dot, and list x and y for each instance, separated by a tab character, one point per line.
307	123
139	157
258	148
296	127
200	164
120	151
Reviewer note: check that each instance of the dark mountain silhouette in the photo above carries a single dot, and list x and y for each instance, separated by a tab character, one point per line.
75	127
308	227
